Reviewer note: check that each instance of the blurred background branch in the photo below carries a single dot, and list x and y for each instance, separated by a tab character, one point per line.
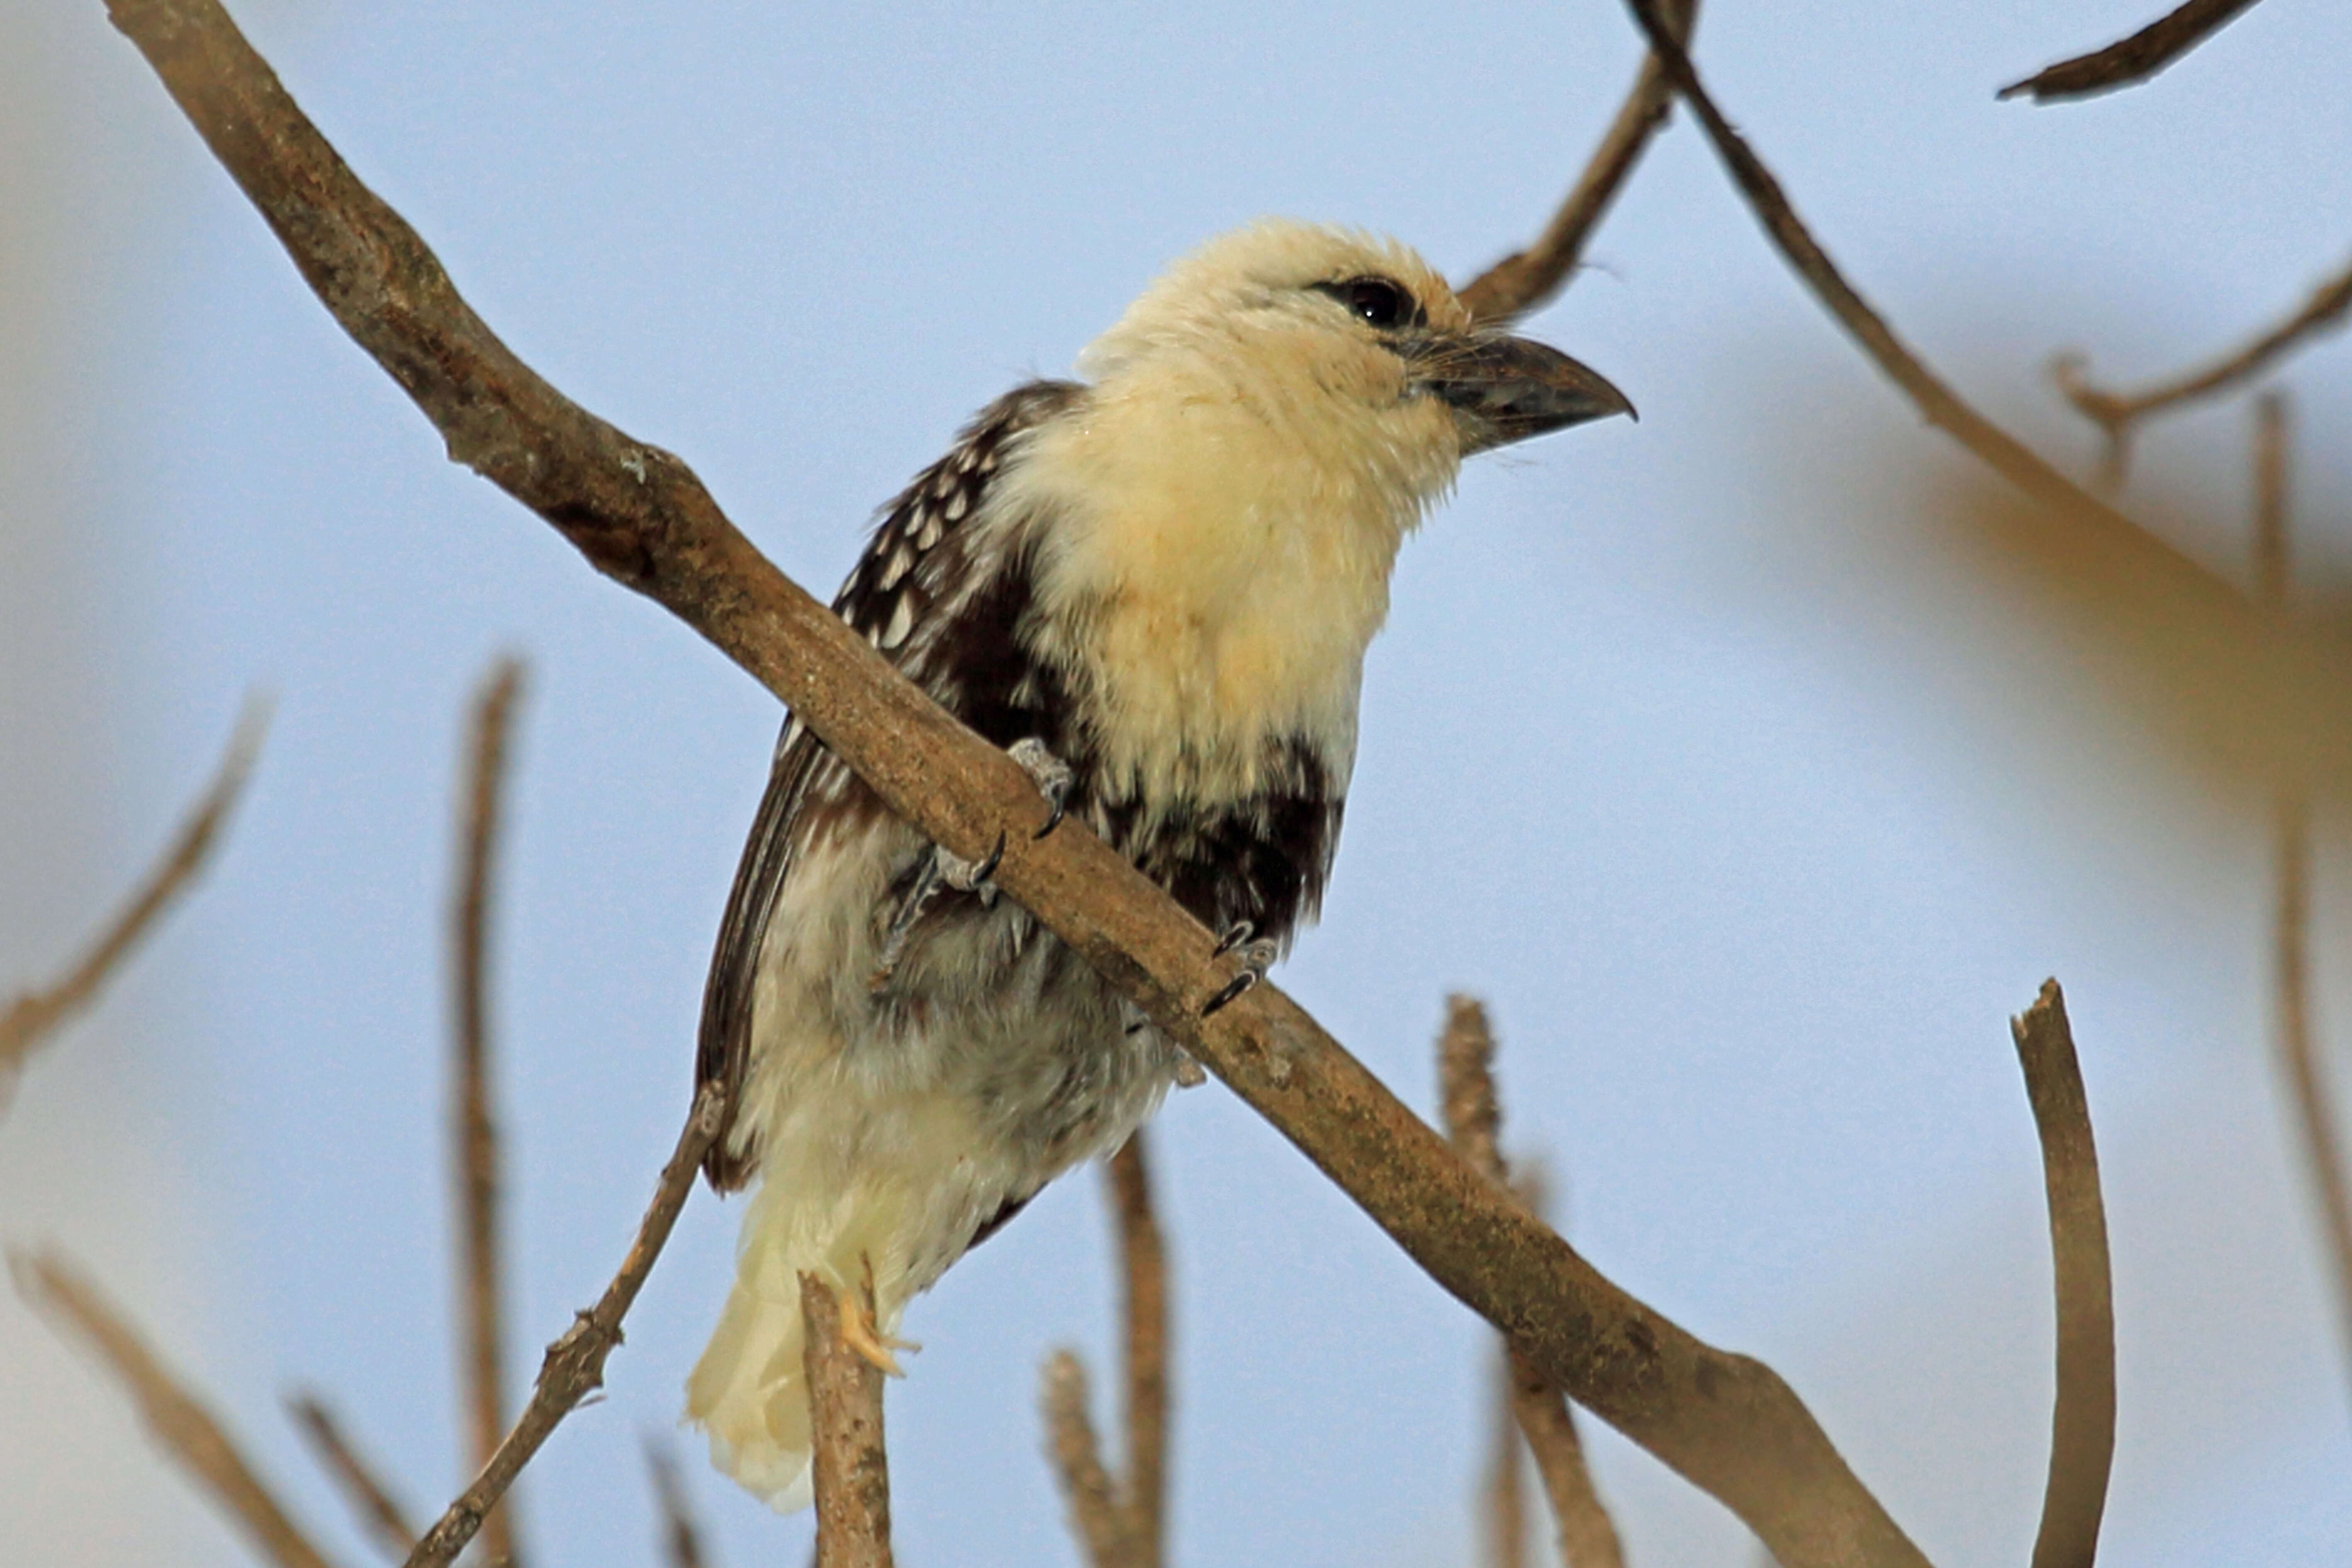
176	1418
372	1502
2118	415
1527	279
1585	1534
35	1015
473	1144
1120	1522
681	1532
2306	1079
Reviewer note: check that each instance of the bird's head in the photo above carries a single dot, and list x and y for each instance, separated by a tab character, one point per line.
1332	331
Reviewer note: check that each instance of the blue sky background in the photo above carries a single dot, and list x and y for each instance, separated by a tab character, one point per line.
1751	809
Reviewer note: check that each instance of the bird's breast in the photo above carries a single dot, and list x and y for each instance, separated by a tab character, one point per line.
1209	590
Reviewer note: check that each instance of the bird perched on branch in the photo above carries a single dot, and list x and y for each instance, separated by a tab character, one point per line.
1155	588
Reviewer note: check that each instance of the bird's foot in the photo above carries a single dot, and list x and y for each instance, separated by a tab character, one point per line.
873	1346
943	869
970	875
1052	776
894	935
1255	955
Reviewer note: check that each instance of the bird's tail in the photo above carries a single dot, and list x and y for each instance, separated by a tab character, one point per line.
750	1391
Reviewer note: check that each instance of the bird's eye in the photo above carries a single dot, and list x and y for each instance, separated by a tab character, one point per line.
1377	301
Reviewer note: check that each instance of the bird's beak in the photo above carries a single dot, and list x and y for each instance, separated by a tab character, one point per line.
1504	389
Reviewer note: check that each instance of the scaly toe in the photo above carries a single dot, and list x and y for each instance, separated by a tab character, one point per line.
872	1347
1052	776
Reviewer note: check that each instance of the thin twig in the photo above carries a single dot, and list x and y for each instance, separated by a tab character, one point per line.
1527	279
1095	1516
1587	1536
175	1419
2118	414
1937	403
681	1536
34	1015
574	1364
379	1513
2298	1048
1507	1502
1728	1423
851	1465
1143	1274
2130	61
2083	1417
474	1134
1119	1524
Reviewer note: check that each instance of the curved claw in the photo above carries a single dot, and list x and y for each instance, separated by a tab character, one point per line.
1232	989
1052	822
1236	934
987	869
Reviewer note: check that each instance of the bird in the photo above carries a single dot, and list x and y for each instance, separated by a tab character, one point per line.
1154	586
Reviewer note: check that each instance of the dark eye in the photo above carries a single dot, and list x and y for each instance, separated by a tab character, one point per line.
1376	300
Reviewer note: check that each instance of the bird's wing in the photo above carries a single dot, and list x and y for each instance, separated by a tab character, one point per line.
895	597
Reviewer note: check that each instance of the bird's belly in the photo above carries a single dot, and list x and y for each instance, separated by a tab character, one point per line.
896	1117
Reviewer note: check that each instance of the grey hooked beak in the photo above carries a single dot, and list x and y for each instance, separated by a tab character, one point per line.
1504	389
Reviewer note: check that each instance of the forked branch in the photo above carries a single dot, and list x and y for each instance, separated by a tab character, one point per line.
1936	402
574	1365
2118	414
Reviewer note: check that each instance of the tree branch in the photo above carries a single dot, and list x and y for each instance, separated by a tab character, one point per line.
2291	838
370	1500
1144	1308
175	1419
34	1015
2129	61
574	1365
2083	1418
1527	279
1726	1422
2118	414
1120	1524
681	1537
1586	1536
1096	1517
1505	1490
853	1468
474	1134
